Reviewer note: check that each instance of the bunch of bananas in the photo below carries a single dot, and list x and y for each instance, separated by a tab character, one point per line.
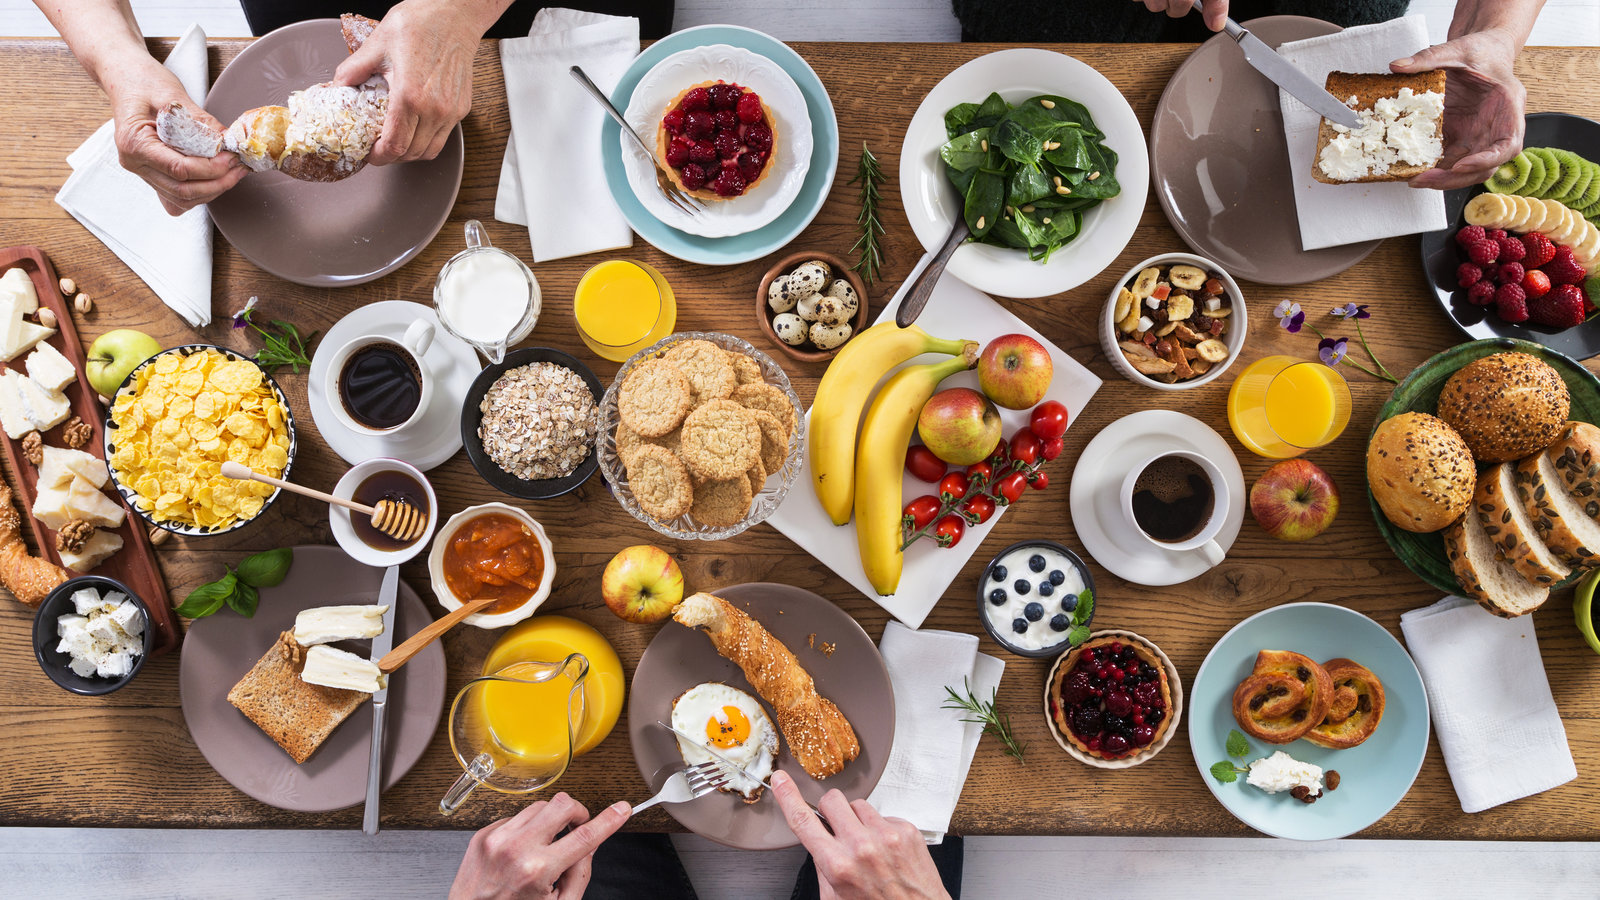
856	461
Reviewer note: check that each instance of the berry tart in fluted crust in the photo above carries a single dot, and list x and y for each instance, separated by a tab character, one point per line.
1114	700
717	140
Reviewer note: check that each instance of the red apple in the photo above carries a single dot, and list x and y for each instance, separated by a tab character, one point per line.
1294	500
642	584
1015	371
959	425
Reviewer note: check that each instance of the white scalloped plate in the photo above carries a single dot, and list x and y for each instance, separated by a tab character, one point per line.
791	151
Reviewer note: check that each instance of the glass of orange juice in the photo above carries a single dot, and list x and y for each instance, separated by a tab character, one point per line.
622	307
1281	406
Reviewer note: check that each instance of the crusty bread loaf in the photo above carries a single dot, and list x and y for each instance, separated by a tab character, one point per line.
1510	529
1484	576
1557	516
1367	89
1505	406
1420	472
297	715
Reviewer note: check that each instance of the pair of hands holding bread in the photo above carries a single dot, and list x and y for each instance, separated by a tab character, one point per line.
1484	101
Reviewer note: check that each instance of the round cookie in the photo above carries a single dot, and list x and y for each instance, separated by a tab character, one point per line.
774	441
721	440
745	369
628	443
722	504
654	398
771	399
707	365
660	482
757	477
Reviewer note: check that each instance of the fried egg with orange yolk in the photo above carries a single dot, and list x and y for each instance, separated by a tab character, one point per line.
732	723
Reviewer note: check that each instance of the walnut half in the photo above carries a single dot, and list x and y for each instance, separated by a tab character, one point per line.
33	447
72	537
76	433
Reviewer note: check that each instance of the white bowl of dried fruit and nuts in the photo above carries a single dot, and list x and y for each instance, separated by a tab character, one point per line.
1174	322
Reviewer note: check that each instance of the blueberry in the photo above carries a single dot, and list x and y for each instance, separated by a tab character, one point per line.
1036	563
999	573
1059	622
1021	586
998	596
1034	611
1019	625
1069	602
1057	576
1046	589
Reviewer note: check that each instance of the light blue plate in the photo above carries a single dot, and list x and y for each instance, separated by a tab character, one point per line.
740	248
1374	776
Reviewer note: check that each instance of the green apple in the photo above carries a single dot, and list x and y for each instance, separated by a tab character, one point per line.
642	584
114	354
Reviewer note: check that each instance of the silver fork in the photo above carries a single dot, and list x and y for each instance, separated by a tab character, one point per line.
689	204
696	781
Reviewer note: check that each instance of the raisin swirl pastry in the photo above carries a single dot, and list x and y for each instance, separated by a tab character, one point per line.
1286	695
1356	710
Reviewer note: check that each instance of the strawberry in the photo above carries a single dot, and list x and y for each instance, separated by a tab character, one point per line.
1540	250
1509	272
1484	252
1564	269
1561	308
1471	234
1535	283
1511	303
1480	294
1512	250
1468	274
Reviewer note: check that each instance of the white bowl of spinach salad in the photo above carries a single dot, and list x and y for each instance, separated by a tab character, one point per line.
988	145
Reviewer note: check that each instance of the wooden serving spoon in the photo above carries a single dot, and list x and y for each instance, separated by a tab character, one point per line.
395	518
413	645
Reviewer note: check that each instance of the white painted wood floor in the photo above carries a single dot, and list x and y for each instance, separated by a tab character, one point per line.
63	864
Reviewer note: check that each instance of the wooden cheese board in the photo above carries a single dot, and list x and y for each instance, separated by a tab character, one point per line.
135	564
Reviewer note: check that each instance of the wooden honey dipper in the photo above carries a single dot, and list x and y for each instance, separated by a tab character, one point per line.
395	518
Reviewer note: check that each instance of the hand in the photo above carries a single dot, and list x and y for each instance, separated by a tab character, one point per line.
519	857
867	856
1215	10
424	48
181	182
1483	105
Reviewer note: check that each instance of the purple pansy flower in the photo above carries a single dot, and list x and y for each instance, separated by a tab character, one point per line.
242	317
1332	350
1289	316
1350	311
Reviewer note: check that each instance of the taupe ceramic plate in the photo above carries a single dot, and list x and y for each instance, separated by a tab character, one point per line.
852	677
1220	168
324	235
219	649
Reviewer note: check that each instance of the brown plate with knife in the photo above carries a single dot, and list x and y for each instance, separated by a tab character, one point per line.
221	648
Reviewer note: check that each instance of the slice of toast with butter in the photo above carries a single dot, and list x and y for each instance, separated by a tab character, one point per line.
1397	141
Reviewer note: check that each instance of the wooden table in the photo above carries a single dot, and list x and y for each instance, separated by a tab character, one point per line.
127	760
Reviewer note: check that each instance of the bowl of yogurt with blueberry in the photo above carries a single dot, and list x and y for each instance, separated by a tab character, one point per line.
1032	597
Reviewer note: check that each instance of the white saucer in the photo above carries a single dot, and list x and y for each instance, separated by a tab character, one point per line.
453	363
1097	484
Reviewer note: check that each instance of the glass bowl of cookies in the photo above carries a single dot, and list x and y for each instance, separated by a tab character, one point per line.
700	436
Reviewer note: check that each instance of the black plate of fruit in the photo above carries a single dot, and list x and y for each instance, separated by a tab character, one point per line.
1443	255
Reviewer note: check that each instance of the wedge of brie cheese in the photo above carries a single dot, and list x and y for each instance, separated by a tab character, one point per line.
16	283
326	624
334	668
50	369
44	409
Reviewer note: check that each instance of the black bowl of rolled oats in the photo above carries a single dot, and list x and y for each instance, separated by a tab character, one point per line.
528	423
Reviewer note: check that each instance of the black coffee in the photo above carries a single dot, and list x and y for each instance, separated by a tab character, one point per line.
380	385
1172	499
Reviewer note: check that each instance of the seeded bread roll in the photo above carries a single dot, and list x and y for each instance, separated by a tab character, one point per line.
1511	530
1420	472
1484	576
1505	406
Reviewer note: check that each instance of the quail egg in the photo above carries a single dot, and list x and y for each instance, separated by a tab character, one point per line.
831	311
827	337
790	328
781	295
807	307
810	278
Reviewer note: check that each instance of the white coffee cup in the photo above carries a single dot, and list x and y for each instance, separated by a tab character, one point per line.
1203	540
416	341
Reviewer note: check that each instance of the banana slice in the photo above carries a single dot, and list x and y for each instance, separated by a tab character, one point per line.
1538	214
1588	250
1144	284
1212	350
1130	323
1488	210
1189	278
1519	212
1568	230
1179	308
1123	305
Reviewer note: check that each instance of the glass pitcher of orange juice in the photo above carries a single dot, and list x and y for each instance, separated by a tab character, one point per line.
622	307
1280	406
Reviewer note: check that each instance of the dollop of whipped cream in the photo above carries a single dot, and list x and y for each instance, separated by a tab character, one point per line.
1403	128
1282	772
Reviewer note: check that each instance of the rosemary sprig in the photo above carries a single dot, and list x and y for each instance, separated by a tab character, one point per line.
995	723
869	227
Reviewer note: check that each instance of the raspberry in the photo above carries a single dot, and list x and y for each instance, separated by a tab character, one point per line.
750	165
1509	273
729	184
1563	269
1540	250
693	176
1471	234
702	152
1497	235
1511	303
698	98
1536	283
758	137
1484	252
673	122
727	144
1481	294
749	109
726	120
1467	274
697	124
1561	308
1512	250
724	96
677	153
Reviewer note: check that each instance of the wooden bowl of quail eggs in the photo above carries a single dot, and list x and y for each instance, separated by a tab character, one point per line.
809	304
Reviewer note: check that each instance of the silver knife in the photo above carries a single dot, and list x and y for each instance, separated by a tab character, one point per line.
706	746
380	699
1283	73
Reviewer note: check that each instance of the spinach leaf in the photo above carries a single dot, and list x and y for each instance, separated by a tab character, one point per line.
958	119
1026	185
1064	110
986	197
961	178
1104	185
967	151
1074	150
1006	234
990	112
1017	142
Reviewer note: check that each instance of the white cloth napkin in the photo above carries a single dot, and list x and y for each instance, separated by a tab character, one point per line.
1497	725
171	254
933	748
1334	214
551	179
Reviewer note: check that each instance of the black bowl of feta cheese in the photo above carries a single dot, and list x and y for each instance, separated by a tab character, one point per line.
1036	598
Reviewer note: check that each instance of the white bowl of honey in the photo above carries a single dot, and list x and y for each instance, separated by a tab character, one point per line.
367	483
492	549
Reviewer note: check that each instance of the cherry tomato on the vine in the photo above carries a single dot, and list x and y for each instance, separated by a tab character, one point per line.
923	465
1039	481
921	511
1052	448
1011	487
999	456
949	530
1048	420
979	474
1026	446
953	485
978	509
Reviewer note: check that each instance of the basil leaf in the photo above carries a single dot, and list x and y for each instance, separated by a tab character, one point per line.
207	598
1237	744
243	600
1224	772
266	569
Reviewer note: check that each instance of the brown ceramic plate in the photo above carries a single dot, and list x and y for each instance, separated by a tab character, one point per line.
808	351
1220	168
853	677
219	649
324	235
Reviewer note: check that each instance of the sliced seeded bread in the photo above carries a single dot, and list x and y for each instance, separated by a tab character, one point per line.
1573	456
1511	531
1484	576
1557	517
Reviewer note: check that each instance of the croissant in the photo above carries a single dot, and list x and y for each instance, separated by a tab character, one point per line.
819	735
1286	695
28	577
324	134
1356	710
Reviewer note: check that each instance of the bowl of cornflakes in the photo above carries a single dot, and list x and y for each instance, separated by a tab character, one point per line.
177	418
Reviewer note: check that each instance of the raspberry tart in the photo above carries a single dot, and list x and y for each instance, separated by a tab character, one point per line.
1114	700
717	140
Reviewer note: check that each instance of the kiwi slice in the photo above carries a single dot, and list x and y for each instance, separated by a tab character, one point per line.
1591	212
1591	194
1552	170
1510	176
1570	173
1585	175
1535	173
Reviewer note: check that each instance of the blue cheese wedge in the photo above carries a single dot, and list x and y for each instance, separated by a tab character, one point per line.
334	668
44	409
12	417
326	624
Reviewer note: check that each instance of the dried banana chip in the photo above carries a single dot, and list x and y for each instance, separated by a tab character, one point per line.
1212	350
1124	305
1179	308
1187	277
